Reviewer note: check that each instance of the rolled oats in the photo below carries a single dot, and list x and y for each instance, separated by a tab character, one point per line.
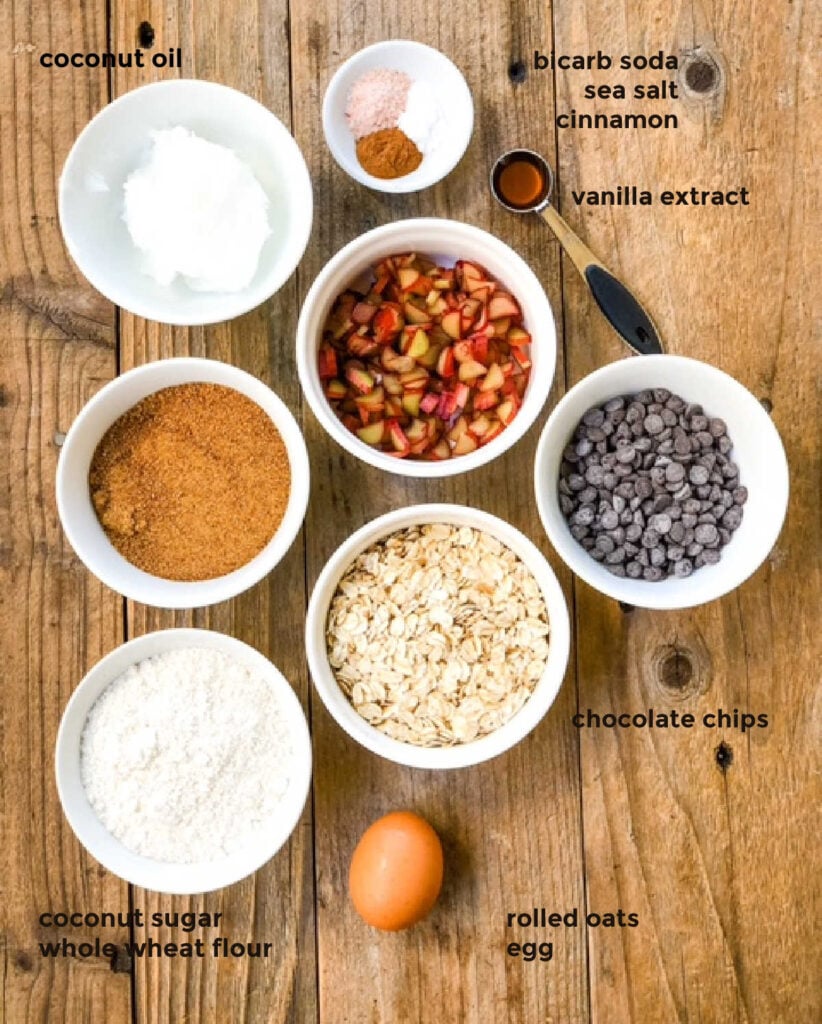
437	634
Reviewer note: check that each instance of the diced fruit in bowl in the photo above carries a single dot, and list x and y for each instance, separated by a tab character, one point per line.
430	362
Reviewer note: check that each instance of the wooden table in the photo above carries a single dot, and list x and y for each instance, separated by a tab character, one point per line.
706	835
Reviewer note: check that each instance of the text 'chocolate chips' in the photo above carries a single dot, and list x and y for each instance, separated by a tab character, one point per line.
648	488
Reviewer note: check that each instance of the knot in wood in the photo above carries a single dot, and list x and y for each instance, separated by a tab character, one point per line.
517	72
724	756
145	35
122	961
675	670
23	961
679	672
702	75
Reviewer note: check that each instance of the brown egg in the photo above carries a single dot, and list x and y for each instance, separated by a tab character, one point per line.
396	871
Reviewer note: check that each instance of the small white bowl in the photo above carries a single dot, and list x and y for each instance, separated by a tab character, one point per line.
76	510
486	747
444	241
419	62
757	450
118	140
110	852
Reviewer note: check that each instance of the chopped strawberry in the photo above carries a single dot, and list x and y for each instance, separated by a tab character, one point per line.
430	402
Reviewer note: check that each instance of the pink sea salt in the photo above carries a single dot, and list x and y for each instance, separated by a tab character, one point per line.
376	101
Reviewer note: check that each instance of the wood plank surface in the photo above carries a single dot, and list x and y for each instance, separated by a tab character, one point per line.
707	835
247	50
511	828
57	346
718	864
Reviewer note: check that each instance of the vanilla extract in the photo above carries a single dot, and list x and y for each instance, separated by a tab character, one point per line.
631	195
622	195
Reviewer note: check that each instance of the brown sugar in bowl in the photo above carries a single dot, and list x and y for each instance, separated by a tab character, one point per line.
219	519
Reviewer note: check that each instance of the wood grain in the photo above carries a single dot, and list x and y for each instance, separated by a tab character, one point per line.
718	862
56	621
248	51
511	828
719	886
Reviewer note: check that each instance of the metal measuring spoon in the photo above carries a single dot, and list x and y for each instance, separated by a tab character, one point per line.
621	309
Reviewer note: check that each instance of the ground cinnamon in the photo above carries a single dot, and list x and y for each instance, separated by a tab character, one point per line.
388	153
192	482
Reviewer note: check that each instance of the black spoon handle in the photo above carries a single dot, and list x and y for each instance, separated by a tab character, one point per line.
622	311
619	307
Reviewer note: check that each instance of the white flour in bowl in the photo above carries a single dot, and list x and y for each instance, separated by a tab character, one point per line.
186	756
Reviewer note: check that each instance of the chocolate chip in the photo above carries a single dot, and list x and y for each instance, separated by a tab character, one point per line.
647	485
706	534
594	417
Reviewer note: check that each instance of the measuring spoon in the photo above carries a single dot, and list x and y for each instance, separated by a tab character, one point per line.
522	182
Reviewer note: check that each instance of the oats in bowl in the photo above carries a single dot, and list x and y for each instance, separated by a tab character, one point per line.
437	634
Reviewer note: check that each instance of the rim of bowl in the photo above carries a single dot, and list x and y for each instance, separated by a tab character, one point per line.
105	561
536	393
656	596
246	299
353	169
162	876
465	754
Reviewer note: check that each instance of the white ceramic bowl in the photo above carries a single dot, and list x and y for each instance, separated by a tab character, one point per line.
757	451
419	62
117	141
80	521
486	747
444	241
110	852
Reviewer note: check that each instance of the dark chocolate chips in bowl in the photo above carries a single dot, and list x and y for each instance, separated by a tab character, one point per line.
648	488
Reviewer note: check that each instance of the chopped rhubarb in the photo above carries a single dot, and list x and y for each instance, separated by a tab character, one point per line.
471	370
363	313
446	364
518	338
502	304
328	362
426	362
494	379
398	438
452	324
358	377
372	434
486	400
